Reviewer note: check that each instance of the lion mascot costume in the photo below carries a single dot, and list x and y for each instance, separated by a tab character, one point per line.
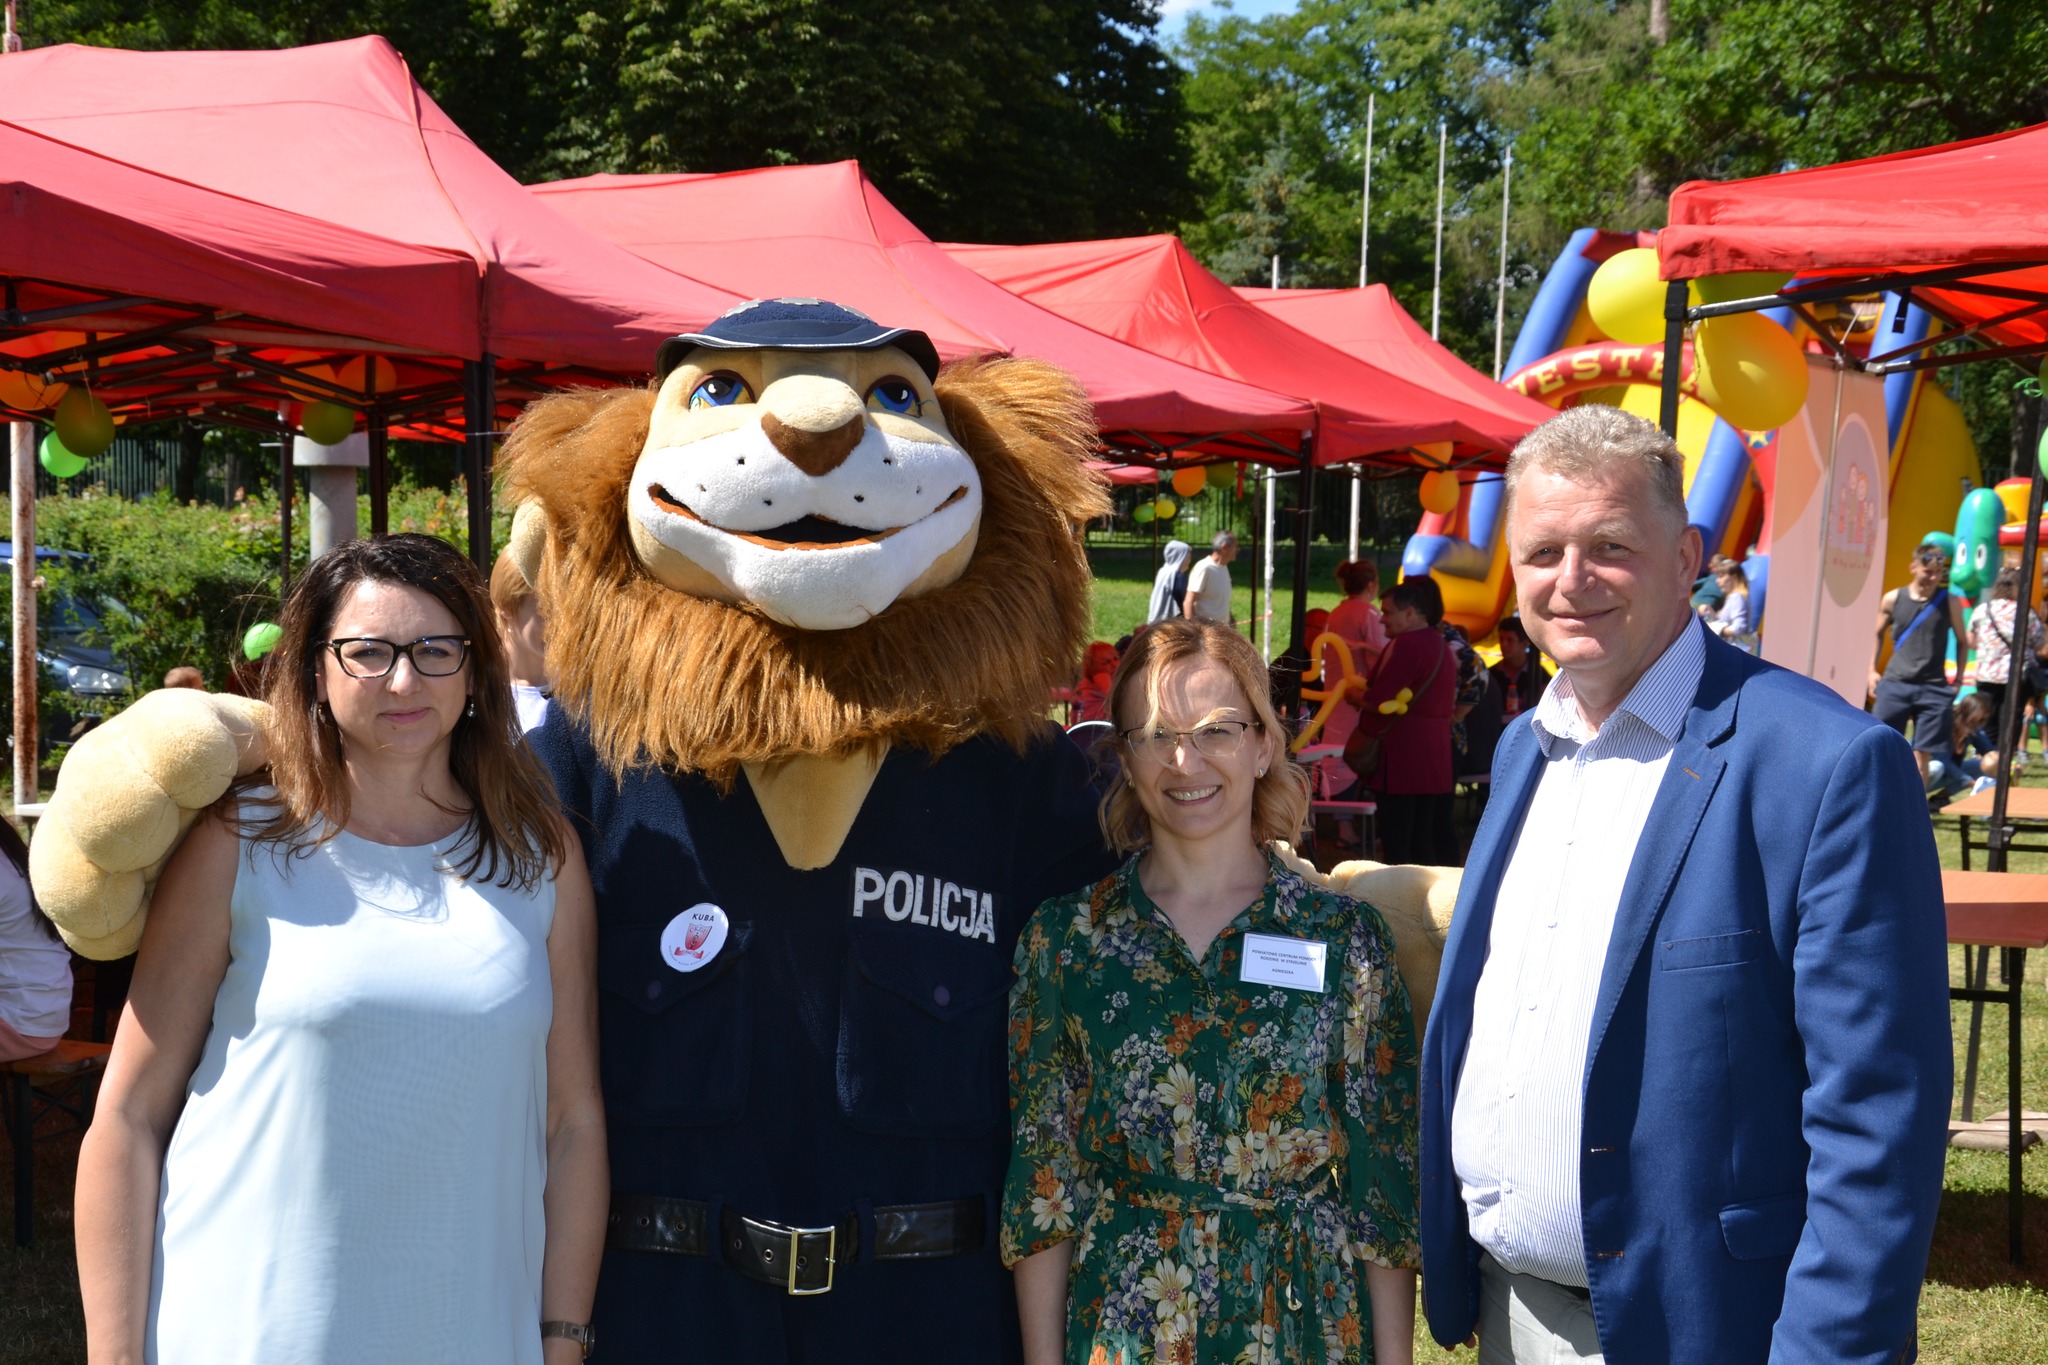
806	597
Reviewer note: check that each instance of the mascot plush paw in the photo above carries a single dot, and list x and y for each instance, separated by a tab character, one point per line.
127	793
1416	903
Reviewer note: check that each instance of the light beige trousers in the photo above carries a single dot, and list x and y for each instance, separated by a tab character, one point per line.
1527	1321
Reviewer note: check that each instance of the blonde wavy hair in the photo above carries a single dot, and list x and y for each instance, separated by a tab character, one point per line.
1280	799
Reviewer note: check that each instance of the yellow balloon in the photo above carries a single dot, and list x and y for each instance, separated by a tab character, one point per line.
1440	492
1188	482
83	424
1626	298
1222	475
1751	372
1166	509
1744	284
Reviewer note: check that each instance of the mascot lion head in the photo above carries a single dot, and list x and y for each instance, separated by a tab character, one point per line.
806	539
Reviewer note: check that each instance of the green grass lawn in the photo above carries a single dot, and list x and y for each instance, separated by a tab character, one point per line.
1123	587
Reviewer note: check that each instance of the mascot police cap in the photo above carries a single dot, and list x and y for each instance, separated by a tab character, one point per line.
797	325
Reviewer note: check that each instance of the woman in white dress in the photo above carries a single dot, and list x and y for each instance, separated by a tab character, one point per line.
352	1110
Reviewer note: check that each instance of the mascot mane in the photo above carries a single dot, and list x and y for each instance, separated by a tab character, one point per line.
664	678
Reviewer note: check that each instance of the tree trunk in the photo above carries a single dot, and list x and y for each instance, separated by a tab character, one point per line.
2026	430
1660	22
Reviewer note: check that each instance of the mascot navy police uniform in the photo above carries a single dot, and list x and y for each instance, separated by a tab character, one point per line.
805	603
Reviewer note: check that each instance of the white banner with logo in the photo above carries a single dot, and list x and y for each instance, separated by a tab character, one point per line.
1829	510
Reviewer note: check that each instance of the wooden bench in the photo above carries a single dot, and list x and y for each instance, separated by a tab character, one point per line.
37	1078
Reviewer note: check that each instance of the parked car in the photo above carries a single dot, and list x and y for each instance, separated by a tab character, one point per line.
82	681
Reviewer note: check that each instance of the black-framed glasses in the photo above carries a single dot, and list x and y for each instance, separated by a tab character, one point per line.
432	656
1217	739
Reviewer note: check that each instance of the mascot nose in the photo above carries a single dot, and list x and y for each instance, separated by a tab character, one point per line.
815	420
814	452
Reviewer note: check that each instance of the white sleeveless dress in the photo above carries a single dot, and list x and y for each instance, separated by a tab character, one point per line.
357	1172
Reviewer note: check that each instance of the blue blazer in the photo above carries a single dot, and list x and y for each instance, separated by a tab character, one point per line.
1767	1086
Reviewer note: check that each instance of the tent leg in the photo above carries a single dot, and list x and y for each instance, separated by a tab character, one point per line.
1304	508
22	490
284	503
480	414
380	473
1674	355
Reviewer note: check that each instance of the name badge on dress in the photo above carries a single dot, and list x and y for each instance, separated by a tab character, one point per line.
1270	960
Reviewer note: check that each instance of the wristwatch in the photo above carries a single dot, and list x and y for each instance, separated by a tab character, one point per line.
578	1332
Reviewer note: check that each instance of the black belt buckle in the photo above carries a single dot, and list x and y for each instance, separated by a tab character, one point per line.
800	1251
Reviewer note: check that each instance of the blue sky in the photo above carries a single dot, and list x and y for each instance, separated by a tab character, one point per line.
1174	11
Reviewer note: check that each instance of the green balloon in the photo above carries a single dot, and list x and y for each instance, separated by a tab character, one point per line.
1222	475
259	639
327	424
58	458
1144	512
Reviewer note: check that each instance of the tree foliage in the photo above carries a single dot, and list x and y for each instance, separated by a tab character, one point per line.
996	120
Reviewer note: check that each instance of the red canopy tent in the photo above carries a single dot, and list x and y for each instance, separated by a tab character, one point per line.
1151	292
1961	228
342	134
827	231
1369	324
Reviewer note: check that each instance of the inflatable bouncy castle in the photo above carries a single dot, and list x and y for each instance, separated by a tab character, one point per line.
1594	334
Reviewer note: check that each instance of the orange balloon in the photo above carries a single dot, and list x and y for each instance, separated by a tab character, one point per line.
29	392
1190	481
1440	492
356	373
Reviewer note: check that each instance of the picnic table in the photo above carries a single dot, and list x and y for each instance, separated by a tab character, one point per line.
2025	807
2007	911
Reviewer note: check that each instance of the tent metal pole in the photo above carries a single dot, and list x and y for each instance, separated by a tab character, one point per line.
27	724
1353	543
1266	620
1998	837
1674	355
379	425
284	502
1305	508
480	421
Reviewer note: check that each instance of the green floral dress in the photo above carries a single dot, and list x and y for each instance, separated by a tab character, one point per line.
1225	1152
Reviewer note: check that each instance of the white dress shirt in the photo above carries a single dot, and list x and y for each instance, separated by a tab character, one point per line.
1515	1120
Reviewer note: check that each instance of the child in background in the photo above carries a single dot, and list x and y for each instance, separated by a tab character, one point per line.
525	641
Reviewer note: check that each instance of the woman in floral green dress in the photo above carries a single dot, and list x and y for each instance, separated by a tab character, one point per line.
1212	1062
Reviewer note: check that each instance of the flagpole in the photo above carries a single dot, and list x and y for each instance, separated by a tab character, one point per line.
1436	290
1365	216
1500	293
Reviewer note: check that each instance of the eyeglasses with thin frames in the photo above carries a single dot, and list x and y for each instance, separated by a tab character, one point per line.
431	656
1216	739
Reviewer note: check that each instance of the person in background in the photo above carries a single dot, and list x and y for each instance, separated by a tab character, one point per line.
185	675
35	966
1473	686
1208	596
1212	1067
1170	584
1992	625
1913	688
1731	619
1412	783
1098	666
1520	669
526	649
1356	619
1971	764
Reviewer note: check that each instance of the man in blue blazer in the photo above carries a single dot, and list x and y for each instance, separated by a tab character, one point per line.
1686	1084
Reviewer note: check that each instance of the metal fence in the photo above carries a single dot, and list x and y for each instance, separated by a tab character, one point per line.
137	467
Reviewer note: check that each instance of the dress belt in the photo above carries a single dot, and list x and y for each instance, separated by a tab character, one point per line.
796	1260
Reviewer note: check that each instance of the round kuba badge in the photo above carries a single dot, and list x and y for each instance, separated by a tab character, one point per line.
694	937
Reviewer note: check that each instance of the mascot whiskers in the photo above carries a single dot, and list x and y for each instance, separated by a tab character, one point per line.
806	597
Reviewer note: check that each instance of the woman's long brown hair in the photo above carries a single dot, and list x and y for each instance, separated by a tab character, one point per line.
514	836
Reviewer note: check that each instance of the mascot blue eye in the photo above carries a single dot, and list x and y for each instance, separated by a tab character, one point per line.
895	395
720	390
